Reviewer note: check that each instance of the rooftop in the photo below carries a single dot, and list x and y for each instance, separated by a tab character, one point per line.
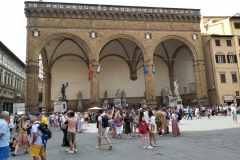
9	52
109	8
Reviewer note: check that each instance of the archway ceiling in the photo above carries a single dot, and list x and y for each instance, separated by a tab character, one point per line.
63	46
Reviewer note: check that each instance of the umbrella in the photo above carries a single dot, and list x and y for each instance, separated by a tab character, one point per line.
94	108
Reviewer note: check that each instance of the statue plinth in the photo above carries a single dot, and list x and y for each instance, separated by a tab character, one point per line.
117	101
178	102
80	104
60	106
124	102
171	101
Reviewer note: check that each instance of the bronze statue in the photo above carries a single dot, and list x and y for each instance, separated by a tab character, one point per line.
63	89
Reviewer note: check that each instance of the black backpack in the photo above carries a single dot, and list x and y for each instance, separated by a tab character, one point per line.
104	121
46	133
179	116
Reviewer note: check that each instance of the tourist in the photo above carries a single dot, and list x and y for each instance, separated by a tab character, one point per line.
134	106
127	125
22	140
158	117
56	121
4	136
37	147
132	116
86	119
164	121
135	125
41	118
59	120
16	121
80	122
152	127
118	124
167	120
71	131
11	124
175	128
197	113
178	119
189	112
208	112
12	141
234	113
102	131
52	119
113	125
143	130
110	120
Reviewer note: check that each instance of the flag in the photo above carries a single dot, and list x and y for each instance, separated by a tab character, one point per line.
90	70
145	70
153	70
98	70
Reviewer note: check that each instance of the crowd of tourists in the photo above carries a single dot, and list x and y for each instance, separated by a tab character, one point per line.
144	122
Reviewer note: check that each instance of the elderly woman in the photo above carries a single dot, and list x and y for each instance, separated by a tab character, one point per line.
175	129
118	124
22	139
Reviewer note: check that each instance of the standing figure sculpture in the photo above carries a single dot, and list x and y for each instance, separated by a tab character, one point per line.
169	93
63	90
163	93
80	96
123	94
118	94
105	95
176	89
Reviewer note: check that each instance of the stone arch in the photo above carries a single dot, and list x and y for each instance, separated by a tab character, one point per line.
188	44
117	36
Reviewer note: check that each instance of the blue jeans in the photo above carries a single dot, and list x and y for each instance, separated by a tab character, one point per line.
208	116
189	114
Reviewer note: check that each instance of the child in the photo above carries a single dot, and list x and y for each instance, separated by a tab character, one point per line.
12	141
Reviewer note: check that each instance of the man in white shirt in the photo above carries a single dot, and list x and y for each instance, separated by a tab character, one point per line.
52	119
234	113
145	112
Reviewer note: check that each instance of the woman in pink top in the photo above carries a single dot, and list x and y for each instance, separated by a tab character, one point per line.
118	124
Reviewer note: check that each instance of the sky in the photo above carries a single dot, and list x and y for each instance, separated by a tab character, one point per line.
13	21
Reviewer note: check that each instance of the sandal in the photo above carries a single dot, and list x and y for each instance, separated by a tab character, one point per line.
13	155
25	152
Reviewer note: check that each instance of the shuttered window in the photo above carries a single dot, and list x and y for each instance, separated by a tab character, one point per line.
229	43
237	25
237	93
217	42
232	58
220	59
223	78
234	78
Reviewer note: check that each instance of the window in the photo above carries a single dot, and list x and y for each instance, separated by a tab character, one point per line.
234	78
223	78
237	25
5	91
185	89
217	42
232	58
239	41
237	93
5	79
229	43
220	59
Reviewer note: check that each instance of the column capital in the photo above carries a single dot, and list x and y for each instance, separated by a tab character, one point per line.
48	75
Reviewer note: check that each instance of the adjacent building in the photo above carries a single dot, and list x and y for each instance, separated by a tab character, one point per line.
12	79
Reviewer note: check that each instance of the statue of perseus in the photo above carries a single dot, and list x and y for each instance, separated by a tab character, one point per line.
63	91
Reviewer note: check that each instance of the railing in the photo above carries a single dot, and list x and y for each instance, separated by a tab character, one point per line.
90	7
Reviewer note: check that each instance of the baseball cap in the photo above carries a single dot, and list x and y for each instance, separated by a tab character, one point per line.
37	113
28	113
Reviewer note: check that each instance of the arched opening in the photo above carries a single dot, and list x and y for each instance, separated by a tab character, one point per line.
174	61
119	60
67	62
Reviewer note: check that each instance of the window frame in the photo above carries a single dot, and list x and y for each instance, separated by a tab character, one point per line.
237	93
234	77
236	25
223	60
216	43
230	42
222	77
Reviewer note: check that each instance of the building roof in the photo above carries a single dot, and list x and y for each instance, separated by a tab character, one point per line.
216	35
9	52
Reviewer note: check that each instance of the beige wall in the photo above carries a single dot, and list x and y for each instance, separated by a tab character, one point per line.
73	72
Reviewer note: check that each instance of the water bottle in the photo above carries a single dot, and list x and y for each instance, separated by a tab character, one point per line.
101	133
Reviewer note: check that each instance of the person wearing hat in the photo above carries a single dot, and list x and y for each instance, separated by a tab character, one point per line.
41	118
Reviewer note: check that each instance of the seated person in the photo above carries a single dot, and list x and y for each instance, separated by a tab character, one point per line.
12	141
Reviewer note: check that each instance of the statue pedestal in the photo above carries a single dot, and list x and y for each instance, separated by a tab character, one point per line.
80	104
171	100
117	102
164	101
60	107
178	102
124	102
105	104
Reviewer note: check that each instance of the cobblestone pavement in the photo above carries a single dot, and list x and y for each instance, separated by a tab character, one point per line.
216	138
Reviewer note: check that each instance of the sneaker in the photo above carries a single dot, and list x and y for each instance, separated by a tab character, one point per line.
110	147
98	147
75	150
130	137
68	149
167	133
155	145
161	135
150	147
71	152
144	147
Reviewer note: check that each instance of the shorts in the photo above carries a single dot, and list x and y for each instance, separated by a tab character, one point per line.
4	152
234	115
113	125
103	131
36	150
70	136
167	122
86	119
159	124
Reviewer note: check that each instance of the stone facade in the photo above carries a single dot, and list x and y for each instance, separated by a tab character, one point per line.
77	26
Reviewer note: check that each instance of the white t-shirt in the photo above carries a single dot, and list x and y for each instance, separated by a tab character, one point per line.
233	109
220	108
63	120
52	117
100	119
56	117
152	121
75	116
146	115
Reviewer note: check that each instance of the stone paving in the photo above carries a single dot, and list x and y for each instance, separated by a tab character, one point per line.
216	138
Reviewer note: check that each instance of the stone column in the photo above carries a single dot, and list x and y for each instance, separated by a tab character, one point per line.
149	83
171	78
201	82
94	85
47	82
31	100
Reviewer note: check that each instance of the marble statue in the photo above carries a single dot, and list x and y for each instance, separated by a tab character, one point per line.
123	94
105	95
118	94
144	103
176	89
63	90
163	93
80	96
169	93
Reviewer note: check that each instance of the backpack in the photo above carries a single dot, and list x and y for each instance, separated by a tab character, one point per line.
179	116
104	121
46	133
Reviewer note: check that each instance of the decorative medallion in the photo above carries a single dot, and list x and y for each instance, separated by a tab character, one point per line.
148	36
36	33
194	36
93	35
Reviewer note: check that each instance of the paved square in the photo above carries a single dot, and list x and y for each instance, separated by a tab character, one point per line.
216	138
